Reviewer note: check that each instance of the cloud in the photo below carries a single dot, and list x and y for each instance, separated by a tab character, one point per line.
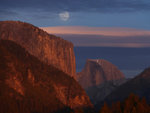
107	41
105	31
7	13
102	36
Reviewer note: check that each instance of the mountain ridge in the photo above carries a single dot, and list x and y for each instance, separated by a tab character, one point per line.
99	78
29	85
48	48
138	85
100	71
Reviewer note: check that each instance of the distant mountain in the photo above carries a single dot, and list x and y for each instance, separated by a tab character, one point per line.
29	86
97	72
47	48
99	78
140	85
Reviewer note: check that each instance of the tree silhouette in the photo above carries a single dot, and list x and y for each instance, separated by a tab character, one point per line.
133	104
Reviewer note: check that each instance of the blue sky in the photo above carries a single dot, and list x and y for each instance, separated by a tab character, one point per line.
95	13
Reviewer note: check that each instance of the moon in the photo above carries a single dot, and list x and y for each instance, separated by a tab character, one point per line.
64	16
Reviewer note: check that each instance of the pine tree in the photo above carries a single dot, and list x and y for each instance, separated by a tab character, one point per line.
105	109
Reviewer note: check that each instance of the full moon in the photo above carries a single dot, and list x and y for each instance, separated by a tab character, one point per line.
64	15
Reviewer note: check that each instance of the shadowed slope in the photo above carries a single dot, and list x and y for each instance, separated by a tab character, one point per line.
140	85
30	86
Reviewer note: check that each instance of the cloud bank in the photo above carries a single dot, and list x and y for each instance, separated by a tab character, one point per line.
102	37
107	41
105	31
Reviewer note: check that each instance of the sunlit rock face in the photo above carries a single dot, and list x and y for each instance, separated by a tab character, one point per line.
47	48
99	78
98	71
28	85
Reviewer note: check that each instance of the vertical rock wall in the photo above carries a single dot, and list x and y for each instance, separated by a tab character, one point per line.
47	48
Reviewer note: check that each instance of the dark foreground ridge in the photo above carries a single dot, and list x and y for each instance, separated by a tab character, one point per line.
132	104
29	86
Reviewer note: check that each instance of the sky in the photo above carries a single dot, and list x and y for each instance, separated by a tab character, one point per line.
93	13
98	20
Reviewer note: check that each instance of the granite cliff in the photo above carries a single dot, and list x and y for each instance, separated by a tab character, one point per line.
99	78
47	48
28	85
98	71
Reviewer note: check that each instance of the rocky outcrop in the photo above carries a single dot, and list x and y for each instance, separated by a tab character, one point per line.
48	48
97	72
99	93
28	85
99	78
